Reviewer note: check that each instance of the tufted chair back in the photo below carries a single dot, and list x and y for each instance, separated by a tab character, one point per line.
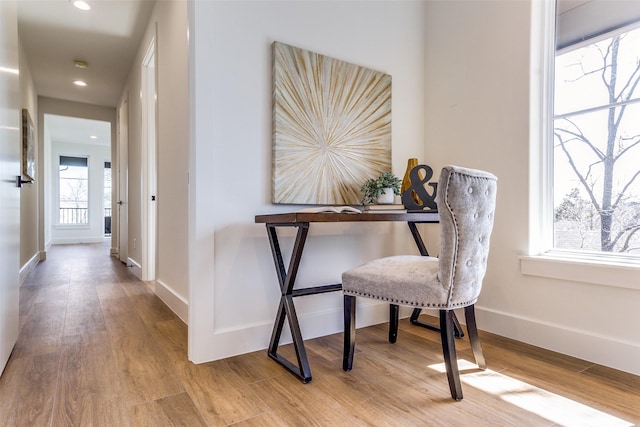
466	204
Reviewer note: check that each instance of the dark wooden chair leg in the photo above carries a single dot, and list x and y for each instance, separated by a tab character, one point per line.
349	332
393	322
474	339
449	352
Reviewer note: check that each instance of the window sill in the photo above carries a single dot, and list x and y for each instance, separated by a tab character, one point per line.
620	274
72	226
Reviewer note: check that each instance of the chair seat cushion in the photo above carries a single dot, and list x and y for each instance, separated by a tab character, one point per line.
404	280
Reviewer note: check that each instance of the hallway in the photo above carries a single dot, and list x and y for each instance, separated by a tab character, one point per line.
89	350
98	348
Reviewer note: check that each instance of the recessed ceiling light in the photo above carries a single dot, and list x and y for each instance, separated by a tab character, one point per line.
81	64
93	137
79	83
82	5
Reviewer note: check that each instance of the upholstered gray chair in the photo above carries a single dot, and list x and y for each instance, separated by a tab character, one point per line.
466	203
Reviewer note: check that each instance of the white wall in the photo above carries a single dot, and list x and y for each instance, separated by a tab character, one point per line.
97	155
233	286
172	283
477	115
29	249
170	19
461	74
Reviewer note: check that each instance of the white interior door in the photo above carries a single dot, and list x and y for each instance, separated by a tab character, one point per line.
122	177
149	182
10	167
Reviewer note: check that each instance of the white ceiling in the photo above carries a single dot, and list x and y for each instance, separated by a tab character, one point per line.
78	131
54	34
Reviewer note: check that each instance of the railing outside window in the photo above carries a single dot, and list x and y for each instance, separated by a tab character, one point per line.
81	216
107	222
74	216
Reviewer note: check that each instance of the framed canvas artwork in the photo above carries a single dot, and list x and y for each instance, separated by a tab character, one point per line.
28	148
331	127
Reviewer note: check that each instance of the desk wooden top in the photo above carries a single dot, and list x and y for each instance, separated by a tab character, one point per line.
306	217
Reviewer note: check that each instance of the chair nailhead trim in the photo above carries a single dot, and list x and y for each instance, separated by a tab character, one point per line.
400	302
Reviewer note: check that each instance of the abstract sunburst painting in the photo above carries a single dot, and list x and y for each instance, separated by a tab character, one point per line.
331	127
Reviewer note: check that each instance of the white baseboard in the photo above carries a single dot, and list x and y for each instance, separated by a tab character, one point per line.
42	255
220	344
75	240
175	302
28	267
603	350
135	268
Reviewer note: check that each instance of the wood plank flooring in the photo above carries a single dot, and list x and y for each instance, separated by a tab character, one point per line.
98	348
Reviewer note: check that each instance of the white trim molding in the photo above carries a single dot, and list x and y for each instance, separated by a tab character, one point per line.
76	240
234	341
175	302
28	267
603	350
601	272
542	63
136	268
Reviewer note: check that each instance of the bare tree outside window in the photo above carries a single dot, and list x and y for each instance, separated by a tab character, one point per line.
597	146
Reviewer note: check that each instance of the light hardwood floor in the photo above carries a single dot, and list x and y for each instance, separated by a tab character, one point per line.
97	348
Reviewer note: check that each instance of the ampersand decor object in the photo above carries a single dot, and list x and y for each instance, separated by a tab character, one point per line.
418	188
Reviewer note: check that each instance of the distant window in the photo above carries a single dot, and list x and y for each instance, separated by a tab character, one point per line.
73	183
107	188
106	181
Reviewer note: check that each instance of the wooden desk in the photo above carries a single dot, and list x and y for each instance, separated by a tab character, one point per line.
287	277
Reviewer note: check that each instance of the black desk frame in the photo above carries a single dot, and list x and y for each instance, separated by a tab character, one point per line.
287	277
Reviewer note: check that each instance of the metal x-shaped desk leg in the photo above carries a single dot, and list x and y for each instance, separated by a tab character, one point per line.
286	309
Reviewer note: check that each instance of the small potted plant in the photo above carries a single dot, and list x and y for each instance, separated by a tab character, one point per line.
380	190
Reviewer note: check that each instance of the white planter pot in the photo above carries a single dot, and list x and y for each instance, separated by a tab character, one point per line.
387	197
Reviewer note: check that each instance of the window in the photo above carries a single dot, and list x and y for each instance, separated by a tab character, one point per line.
73	182
106	183
567	35
596	144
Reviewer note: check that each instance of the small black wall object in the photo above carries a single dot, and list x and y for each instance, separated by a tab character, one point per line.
417	185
